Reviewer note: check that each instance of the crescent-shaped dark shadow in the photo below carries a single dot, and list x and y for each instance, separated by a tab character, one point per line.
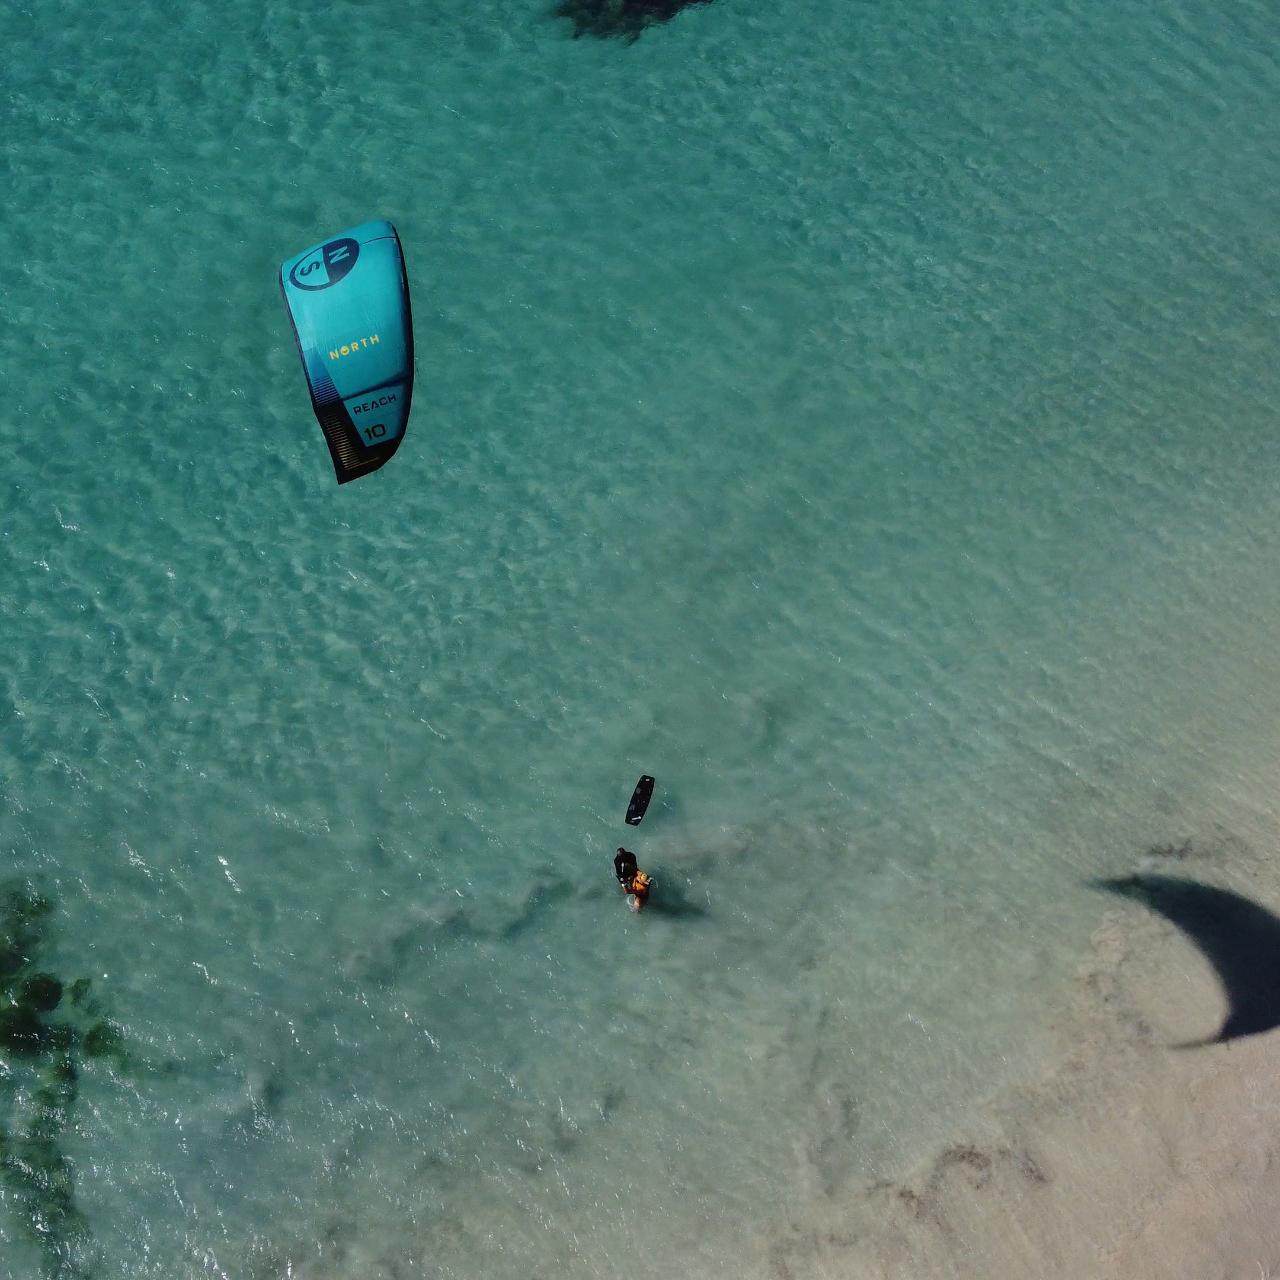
1240	939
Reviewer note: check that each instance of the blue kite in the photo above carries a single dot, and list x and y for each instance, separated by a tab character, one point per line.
348	302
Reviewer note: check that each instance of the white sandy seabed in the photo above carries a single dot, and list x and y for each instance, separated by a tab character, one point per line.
1129	1157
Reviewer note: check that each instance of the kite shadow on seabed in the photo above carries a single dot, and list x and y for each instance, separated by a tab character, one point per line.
1240	939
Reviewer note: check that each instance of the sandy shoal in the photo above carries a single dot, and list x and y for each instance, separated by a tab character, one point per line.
1127	1158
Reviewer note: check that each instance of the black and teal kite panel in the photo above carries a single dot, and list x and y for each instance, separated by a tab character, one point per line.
348	301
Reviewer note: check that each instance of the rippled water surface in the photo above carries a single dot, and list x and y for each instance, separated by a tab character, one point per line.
861	417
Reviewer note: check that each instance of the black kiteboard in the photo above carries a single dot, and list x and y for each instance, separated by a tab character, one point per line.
640	798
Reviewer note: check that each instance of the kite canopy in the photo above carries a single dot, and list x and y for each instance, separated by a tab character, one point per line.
348	300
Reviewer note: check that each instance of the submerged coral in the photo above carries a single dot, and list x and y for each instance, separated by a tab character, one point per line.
623	18
35	1175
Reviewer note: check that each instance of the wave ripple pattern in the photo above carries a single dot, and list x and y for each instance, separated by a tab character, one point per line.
861	417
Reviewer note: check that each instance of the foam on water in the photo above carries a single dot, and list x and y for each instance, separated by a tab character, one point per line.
859	417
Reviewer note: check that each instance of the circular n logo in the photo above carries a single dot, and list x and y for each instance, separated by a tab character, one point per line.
326	265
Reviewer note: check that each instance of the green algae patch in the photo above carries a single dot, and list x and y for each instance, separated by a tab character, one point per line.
47	1027
102	1040
41	992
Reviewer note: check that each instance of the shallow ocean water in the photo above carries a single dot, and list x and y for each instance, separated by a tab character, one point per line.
859	417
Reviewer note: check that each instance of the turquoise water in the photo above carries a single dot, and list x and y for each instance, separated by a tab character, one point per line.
861	417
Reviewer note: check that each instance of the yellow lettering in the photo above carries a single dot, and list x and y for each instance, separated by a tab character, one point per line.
350	348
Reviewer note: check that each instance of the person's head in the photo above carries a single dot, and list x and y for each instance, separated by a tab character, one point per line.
642	882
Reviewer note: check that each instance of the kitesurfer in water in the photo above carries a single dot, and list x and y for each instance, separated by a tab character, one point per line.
624	866
635	883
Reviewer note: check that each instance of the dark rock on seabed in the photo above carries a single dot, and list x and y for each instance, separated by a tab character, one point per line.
625	19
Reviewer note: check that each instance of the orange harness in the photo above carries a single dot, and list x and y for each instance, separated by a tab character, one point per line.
639	884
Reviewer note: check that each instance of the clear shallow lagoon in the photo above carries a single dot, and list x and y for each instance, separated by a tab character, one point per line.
862	417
